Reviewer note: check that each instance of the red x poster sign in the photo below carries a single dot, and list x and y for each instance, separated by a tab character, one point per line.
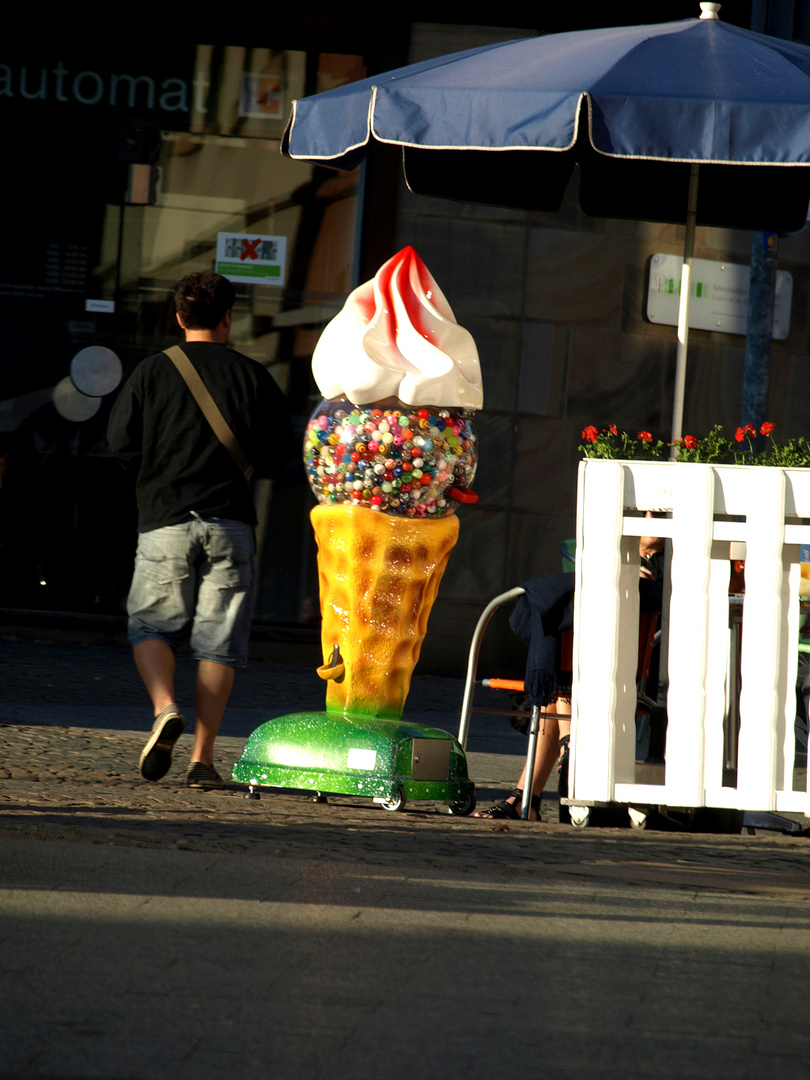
250	248
256	260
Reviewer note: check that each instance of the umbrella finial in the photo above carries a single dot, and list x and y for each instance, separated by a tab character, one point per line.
709	11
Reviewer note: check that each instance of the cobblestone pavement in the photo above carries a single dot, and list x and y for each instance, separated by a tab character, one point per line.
152	932
82	785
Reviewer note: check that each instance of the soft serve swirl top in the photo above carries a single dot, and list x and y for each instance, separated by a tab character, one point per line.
397	337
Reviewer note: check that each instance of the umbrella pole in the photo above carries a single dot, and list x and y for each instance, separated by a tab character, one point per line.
683	309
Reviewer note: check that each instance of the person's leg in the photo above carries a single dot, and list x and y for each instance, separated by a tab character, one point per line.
213	688
548	740
548	750
563	709
565	728
219	635
155	663
159	603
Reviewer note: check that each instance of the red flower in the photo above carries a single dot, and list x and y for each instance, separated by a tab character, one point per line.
590	434
613	429
739	434
767	428
644	436
689	442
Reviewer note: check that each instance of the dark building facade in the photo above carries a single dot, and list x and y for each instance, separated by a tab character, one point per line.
137	165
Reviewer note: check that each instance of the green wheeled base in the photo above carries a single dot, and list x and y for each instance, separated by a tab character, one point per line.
389	761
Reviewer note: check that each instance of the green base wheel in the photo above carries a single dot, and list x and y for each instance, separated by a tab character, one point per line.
464	806
394	802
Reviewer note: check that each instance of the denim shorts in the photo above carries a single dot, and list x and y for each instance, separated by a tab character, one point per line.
195	581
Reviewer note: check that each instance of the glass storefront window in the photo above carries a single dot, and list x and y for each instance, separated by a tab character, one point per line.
152	197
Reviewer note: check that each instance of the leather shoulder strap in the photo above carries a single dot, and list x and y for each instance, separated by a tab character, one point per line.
210	409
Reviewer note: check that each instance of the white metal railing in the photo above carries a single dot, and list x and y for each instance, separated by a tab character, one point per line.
769	503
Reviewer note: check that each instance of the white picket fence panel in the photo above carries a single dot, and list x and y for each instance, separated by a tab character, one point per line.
701	498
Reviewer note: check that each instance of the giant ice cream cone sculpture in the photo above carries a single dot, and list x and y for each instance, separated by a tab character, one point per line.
389	454
378	578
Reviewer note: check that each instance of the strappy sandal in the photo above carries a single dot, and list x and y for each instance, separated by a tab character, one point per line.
562	763
509	810
562	769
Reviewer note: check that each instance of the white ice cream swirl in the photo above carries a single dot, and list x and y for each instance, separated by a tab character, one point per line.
397	337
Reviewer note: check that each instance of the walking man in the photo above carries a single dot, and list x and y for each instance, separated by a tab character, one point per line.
195	561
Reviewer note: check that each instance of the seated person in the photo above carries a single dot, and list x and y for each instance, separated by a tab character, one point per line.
543	618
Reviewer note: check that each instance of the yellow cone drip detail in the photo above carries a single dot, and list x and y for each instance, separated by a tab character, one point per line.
379	576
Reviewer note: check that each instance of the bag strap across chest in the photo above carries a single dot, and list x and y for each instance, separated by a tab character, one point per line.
210	409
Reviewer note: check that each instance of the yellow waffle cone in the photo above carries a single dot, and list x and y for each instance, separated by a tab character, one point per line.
379	576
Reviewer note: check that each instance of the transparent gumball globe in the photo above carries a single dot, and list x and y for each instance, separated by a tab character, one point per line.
397	459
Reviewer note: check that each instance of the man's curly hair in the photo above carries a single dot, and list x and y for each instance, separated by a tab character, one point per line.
202	300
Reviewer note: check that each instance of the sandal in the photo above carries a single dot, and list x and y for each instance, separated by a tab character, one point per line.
509	810
562	763
562	769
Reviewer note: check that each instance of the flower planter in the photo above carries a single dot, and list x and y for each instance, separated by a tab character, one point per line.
769	503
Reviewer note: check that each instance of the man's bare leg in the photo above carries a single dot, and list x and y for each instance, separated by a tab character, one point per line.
213	688
155	663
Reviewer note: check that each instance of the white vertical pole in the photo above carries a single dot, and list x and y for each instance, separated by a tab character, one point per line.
683	308
690	632
763	639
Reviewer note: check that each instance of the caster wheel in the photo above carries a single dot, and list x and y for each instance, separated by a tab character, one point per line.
638	818
580	816
318	797
251	794
463	807
394	802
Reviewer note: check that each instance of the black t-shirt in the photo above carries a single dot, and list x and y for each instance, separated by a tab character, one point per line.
157	428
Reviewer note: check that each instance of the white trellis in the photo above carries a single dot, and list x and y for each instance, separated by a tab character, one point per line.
702	499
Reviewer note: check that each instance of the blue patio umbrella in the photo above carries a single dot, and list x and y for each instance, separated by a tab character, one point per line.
684	122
